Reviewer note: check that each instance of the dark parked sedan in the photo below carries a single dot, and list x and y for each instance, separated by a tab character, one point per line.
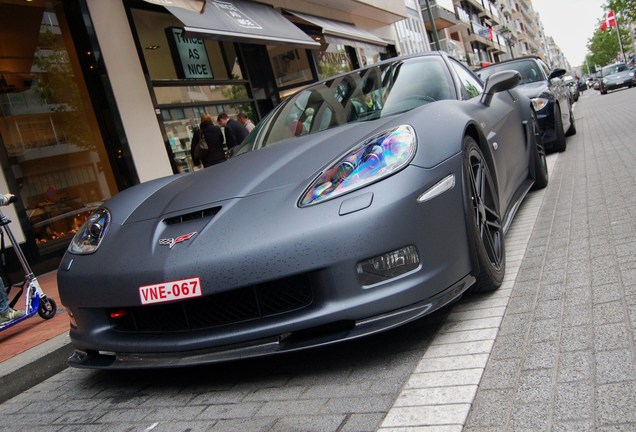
616	76
550	97
363	202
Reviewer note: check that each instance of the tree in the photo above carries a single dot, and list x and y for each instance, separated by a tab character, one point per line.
626	7
603	46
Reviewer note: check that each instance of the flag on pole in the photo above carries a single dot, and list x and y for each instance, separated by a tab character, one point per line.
610	21
193	5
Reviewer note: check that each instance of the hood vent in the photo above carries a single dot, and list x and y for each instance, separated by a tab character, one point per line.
199	214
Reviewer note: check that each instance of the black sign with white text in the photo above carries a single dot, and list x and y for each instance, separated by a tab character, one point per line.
189	55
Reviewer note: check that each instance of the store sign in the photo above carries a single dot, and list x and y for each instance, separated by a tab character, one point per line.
189	55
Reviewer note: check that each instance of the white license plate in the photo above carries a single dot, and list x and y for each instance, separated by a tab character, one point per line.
170	291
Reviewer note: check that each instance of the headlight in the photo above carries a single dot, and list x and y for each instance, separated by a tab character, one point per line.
539	103
605	80
371	160
90	235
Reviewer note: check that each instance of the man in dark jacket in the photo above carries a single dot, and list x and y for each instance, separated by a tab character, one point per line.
235	132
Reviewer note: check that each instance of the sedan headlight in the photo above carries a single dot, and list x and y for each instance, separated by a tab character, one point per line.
539	103
605	80
90	235
371	160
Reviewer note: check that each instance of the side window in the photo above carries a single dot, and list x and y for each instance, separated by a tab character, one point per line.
471	85
545	68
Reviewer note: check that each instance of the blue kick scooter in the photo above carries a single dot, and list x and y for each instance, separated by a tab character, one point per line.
35	301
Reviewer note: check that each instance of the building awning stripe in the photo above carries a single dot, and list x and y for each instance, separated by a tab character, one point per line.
343	32
240	21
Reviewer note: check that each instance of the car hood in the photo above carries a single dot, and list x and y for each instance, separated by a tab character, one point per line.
295	162
618	76
532	90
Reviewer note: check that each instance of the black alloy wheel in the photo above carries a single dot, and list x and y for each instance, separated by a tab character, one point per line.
572	129
484	219
559	143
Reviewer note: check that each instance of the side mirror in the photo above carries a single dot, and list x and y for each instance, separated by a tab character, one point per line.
556	73
498	82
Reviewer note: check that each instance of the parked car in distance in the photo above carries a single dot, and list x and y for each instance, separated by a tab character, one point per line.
616	76
347	211
550	97
573	86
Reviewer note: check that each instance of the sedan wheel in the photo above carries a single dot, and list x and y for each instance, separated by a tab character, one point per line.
559	144
484	220
572	130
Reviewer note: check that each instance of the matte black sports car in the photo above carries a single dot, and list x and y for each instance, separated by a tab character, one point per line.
363	202
550	96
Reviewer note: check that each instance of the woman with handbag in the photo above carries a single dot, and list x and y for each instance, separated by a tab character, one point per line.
207	135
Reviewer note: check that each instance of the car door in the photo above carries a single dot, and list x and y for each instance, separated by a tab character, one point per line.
502	124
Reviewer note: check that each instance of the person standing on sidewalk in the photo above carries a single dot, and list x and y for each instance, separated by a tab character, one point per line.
6	312
246	121
235	132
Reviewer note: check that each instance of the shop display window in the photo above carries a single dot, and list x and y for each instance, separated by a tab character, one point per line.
332	59
189	76
290	65
55	152
180	123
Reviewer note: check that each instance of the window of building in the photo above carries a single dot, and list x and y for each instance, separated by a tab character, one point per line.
191	76
290	65
332	59
49	133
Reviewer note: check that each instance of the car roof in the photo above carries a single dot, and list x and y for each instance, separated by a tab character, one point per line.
516	59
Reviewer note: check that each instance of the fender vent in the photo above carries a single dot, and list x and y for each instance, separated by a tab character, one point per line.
199	214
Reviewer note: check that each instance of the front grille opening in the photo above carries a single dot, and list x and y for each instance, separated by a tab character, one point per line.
239	305
199	214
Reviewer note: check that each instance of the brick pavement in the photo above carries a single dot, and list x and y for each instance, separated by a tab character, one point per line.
564	357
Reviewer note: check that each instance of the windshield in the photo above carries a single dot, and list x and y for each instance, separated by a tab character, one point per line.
363	95
615	68
529	71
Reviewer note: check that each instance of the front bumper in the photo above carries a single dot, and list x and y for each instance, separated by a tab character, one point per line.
615	85
289	342
323	251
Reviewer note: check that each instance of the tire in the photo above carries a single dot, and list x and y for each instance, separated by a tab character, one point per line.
537	157
572	129
483	219
47	309
559	143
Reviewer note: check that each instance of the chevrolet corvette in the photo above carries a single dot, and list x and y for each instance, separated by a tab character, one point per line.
363	202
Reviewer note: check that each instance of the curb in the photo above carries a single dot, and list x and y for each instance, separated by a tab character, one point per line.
34	366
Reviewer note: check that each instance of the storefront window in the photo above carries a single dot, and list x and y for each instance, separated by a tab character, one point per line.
157	31
332	59
290	65
368	56
179	124
190	76
55	152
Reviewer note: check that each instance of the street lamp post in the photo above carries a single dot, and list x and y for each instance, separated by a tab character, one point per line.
433	26
510	39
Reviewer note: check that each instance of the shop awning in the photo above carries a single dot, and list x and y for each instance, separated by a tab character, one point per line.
344	33
241	21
